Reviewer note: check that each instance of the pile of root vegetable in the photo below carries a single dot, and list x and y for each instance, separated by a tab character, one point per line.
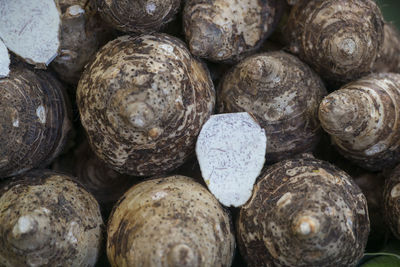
198	133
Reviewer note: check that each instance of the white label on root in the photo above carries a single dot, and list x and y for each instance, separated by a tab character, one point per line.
4	60
231	153
30	29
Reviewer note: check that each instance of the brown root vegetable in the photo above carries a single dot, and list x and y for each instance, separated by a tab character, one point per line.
362	119
46	219
106	185
82	34
31	29
172	221
304	212
389	59
143	101
139	16
372	185
339	39
4	60
283	94
231	153
34	123
228	30
391	201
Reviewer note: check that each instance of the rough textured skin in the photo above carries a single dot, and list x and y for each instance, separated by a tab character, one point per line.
143	101
228	30
389	60
371	185
34	121
391	201
362	119
82	34
283	94
46	219
171	221
140	16
304	212
340	39
106	185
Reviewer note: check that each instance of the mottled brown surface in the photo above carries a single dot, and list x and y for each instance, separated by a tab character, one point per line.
81	35
106	185
389	59
391	201
172	221
371	185
339	39
283	94
143	101
362	119
33	120
140	16
310	193
46	219
228	30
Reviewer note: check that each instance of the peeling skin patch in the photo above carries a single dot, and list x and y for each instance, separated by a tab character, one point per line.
4	60
30	29
41	114
231	152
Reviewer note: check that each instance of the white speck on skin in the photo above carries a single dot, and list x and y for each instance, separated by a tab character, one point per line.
375	149
395	192
24	225
150	8
75	10
70	236
168	48
159	195
41	114
305	228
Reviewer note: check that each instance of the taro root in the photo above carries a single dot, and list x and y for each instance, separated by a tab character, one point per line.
31	29
304	212
228	30
82	34
139	16
283	94
4	60
46	219
231	153
389	59
34	121
143	101
106	185
362	119
391	201
339	39
170	221
371	185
